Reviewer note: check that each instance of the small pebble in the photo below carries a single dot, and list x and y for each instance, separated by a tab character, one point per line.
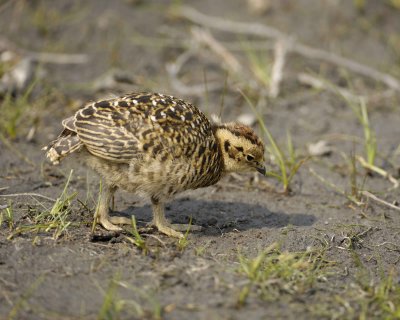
319	149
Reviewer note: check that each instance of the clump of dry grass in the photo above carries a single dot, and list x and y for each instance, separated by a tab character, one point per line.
54	218
274	272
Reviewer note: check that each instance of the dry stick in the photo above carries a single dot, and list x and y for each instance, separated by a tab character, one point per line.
230	63
280	51
374	197
222	24
385	243
352	65
158	239
173	70
306	51
379	171
27	194
58	58
205	37
320	84
45	57
335	187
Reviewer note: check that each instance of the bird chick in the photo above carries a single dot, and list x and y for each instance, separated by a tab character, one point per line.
156	146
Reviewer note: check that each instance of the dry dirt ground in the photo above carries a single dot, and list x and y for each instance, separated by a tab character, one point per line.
325	250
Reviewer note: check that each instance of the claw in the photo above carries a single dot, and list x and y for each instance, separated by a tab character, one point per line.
109	226
120	220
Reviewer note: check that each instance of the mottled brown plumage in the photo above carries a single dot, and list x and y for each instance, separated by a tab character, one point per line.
156	146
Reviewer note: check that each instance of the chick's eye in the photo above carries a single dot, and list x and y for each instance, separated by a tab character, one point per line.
249	157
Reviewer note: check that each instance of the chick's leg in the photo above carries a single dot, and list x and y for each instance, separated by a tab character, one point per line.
161	223
102	213
164	226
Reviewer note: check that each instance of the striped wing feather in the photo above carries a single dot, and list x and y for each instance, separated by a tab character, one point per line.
124	128
104	133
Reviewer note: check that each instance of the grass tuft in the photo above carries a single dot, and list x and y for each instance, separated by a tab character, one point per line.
367	298
274	272
13	111
137	239
353	198
7	216
114	307
53	219
184	242
361	112
260	65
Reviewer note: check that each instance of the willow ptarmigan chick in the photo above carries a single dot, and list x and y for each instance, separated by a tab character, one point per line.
156	146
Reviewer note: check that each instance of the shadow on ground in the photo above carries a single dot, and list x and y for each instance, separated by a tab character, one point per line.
222	215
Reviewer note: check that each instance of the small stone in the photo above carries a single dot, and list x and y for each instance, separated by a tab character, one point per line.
18	78
319	149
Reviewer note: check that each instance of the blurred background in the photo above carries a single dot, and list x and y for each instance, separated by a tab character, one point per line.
57	54
315	78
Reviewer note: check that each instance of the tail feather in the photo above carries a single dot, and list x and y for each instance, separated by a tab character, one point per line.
65	144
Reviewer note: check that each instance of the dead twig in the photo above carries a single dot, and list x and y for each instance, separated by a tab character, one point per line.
28	195
379	171
320	84
387	243
58	58
44	57
157	238
269	32
336	188
281	48
381	201
205	37
319	54
173	70
222	24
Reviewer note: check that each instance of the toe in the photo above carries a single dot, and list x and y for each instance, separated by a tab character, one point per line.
109	226
120	220
170	232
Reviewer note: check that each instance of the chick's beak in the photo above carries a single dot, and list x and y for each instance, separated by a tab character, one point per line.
261	169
